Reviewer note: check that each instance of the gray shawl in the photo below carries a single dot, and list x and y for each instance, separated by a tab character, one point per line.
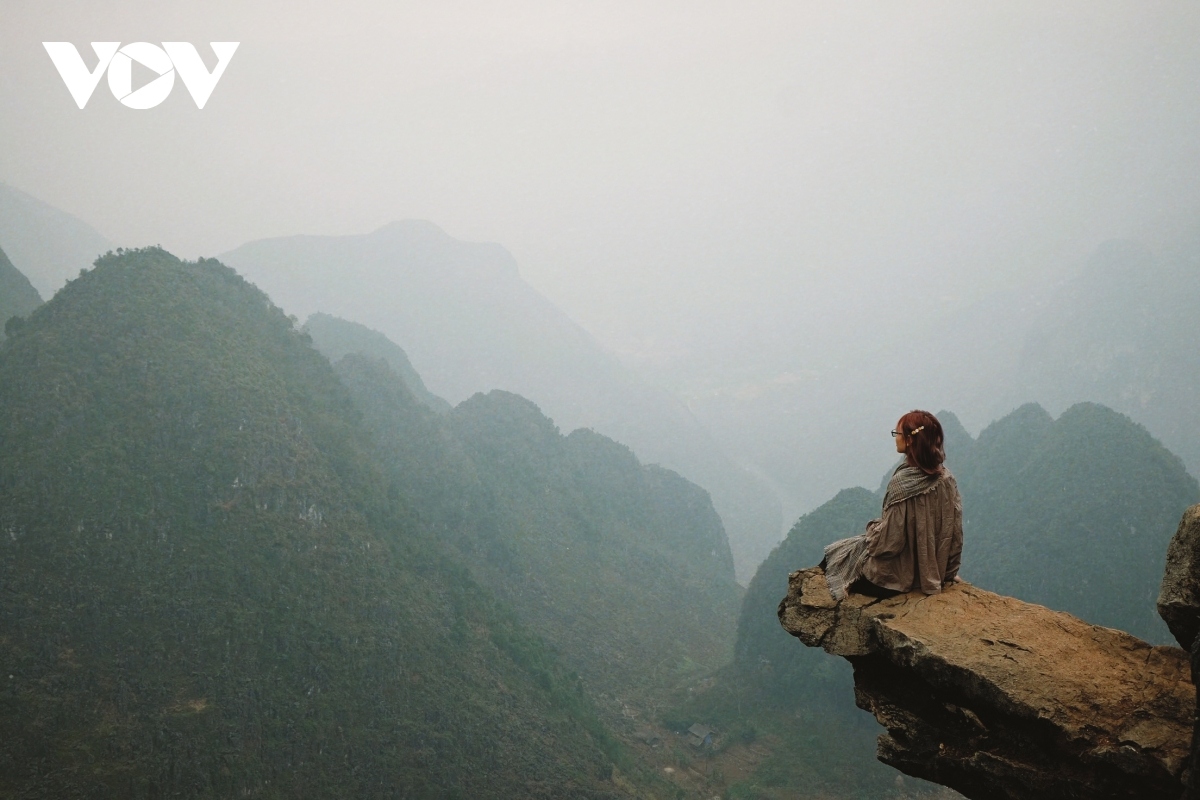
909	482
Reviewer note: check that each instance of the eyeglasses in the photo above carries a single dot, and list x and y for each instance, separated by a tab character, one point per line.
895	434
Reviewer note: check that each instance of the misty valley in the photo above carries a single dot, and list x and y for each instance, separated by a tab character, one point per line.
368	516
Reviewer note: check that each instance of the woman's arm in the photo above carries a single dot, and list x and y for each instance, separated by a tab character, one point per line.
954	558
886	536
954	561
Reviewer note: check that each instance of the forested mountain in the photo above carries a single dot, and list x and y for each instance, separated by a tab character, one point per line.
1074	513
17	295
49	246
469	323
625	569
207	587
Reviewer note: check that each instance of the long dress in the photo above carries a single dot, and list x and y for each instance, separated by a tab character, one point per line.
916	542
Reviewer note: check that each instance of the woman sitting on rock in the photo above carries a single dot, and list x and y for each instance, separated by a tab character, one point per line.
917	542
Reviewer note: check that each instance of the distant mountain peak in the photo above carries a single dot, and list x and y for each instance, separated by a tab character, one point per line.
421	235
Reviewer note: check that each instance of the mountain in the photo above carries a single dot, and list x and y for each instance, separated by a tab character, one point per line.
336	338
469	323
208	588
17	295
48	245
623	568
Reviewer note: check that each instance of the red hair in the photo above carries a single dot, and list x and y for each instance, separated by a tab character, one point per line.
923	439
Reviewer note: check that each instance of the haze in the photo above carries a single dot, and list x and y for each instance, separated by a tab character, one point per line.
729	196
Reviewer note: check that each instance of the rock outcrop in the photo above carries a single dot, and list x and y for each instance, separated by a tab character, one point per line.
998	698
1179	597
1179	606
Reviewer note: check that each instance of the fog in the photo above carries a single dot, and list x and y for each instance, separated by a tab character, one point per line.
731	197
551	344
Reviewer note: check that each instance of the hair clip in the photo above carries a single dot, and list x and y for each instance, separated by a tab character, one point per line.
917	430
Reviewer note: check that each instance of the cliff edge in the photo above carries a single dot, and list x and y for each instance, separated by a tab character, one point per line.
998	698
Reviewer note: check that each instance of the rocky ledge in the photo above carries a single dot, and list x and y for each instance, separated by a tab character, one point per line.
998	698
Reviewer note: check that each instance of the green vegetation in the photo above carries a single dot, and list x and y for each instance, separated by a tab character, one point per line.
209	589
17	295
623	568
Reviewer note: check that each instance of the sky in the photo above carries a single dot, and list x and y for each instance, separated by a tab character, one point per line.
706	187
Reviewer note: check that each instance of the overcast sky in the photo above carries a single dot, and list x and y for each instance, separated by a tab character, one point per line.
672	174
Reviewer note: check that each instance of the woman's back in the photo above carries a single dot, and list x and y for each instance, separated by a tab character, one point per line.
917	541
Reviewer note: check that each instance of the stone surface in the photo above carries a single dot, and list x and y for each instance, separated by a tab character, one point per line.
998	698
1179	606
1179	597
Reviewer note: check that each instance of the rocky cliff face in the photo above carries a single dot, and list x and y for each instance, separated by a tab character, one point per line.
1179	606
998	698
1179	597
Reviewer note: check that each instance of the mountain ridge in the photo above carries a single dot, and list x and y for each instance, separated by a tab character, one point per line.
469	323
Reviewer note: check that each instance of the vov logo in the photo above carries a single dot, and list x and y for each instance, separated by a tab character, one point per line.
172	57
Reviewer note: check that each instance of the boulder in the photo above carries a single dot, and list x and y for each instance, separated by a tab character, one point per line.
998	698
1179	606
1179	597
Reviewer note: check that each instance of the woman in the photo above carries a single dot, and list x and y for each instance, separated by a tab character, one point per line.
917	542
